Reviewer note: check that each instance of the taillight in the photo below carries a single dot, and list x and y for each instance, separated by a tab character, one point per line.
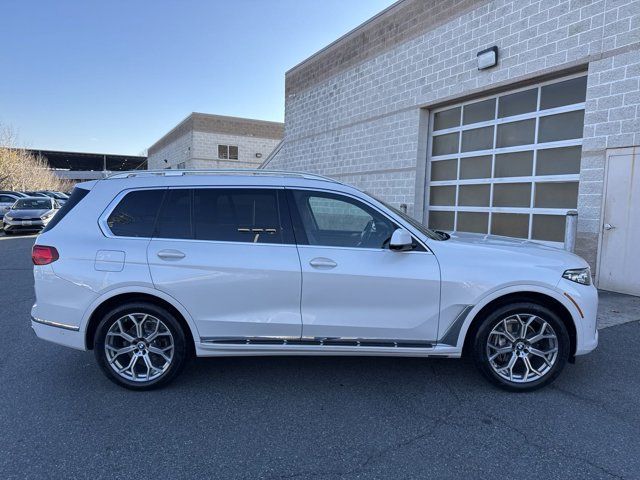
43	255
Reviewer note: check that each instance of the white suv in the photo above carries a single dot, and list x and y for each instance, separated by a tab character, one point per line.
150	268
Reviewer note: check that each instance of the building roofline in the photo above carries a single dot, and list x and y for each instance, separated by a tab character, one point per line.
206	122
351	32
243	119
174	129
396	25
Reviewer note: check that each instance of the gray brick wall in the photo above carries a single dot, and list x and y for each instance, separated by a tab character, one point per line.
362	124
612	120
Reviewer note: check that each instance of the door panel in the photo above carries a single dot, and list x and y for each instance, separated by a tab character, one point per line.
619	268
370	294
231	289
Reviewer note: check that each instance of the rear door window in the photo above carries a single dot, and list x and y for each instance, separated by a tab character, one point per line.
174	220
135	215
238	215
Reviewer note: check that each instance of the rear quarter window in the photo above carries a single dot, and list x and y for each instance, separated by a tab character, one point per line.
76	197
136	213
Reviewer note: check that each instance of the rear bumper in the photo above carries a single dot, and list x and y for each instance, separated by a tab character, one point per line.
62	334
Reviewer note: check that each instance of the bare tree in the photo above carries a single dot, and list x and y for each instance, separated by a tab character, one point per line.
20	169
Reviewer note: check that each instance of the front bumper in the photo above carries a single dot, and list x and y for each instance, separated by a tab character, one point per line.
584	310
17	225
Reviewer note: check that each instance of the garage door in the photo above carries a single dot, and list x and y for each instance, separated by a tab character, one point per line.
508	164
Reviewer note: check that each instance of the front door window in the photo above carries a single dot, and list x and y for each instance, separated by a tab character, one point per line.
338	221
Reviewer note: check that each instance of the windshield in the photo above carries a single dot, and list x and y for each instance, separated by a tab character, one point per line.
33	204
432	234
59	196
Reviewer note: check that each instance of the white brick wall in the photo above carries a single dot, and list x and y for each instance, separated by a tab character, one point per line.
200	150
205	148
175	152
366	117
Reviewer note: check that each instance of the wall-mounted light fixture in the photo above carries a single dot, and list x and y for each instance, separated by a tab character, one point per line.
488	58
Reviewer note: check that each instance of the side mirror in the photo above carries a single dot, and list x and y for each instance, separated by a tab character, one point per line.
401	241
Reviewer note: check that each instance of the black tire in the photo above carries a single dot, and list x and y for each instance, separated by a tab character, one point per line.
180	348
481	355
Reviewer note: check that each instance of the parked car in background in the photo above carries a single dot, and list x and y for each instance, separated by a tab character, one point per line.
30	214
59	196
46	193
7	199
13	192
146	268
34	193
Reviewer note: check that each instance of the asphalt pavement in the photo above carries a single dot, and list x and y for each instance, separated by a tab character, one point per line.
314	417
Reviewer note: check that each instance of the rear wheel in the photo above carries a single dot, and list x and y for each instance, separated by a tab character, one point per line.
140	346
521	346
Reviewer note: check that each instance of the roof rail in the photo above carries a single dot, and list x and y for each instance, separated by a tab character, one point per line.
238	171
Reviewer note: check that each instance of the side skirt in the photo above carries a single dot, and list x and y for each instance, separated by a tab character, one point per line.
241	346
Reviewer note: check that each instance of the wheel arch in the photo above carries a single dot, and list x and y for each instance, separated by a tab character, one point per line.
547	299
108	302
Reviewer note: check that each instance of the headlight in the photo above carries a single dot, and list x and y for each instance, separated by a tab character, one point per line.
46	216
578	275
7	217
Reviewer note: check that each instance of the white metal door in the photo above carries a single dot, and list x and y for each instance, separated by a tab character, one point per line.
619	258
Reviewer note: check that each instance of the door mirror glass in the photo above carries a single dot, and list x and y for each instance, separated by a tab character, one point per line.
401	241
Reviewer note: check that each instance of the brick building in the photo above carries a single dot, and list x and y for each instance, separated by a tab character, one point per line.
215	141
400	108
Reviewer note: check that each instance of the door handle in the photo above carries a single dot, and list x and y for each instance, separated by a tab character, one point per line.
608	226
321	262
171	254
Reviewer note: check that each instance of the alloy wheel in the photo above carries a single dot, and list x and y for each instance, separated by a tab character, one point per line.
522	348
139	347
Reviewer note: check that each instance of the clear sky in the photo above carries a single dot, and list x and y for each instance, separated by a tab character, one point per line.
113	76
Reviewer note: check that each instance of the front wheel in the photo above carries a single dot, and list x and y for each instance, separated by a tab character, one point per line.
521	346
140	346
